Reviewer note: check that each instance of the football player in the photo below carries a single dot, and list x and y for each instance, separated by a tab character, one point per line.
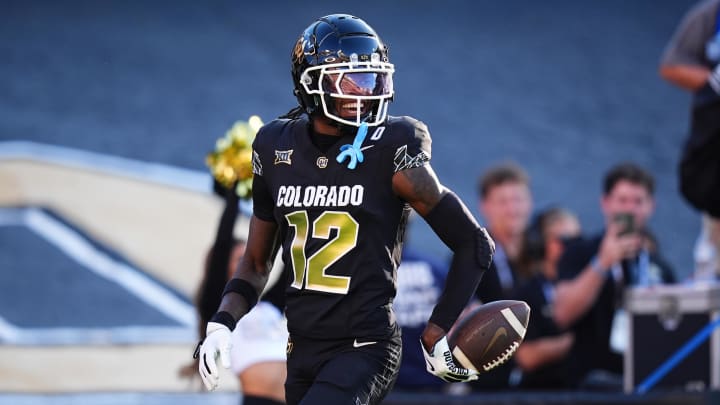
334	181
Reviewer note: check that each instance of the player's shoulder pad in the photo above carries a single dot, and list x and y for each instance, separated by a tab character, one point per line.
409	141
277	134
406	129
409	132
270	132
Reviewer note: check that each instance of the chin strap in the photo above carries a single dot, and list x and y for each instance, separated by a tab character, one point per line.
353	151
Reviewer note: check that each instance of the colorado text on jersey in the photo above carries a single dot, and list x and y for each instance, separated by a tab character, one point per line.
320	196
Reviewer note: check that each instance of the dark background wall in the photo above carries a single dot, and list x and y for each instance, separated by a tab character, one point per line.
564	87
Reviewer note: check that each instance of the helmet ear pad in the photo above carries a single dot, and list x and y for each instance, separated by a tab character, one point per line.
312	103
309	102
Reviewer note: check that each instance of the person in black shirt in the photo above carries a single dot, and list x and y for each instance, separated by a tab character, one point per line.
334	182
542	358
596	270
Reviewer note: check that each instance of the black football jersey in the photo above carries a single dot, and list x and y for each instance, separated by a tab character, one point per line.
341	229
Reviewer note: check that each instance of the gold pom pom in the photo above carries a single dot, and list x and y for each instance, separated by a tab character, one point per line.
231	161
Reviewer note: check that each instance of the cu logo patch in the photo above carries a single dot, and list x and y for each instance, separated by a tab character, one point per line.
322	162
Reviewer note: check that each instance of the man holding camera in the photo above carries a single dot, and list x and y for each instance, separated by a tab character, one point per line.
597	269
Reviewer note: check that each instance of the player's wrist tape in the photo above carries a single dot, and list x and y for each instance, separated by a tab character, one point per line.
245	289
224	318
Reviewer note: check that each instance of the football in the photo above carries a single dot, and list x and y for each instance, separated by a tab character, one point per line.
488	335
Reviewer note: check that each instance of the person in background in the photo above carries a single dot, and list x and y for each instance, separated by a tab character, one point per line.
258	345
542	358
691	61
505	202
421	278
595	270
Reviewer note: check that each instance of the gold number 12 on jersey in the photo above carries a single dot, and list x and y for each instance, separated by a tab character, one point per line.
310	271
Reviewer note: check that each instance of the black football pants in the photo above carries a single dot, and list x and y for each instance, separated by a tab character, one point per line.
342	372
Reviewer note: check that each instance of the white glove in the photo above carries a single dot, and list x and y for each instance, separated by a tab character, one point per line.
441	364
217	343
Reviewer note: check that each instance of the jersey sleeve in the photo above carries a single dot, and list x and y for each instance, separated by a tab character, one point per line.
413	147
261	195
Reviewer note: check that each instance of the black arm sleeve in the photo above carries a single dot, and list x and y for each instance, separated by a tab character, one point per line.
472	253
216	273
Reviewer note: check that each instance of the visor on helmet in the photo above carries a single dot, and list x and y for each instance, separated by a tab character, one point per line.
357	84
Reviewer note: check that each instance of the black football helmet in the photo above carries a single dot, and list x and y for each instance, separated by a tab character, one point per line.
340	69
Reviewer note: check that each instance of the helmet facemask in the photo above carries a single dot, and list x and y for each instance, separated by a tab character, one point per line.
352	92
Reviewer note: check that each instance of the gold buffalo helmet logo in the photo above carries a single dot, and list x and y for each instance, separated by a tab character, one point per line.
299	50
